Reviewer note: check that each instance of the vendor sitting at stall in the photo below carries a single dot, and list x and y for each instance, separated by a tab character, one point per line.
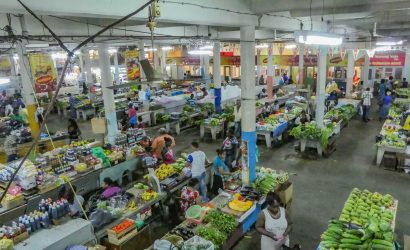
191	101
219	169
303	118
74	132
167	153
262	94
110	188
75	202
190	195
275	107
266	110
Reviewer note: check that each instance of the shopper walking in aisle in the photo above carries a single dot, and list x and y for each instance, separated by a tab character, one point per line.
230	146
159	142
274	224
110	188
71	101
219	169
132	115
384	110
366	103
238	115
74	132
10	147
382	92
390	83
197	160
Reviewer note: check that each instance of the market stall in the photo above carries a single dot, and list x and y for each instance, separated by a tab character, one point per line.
367	221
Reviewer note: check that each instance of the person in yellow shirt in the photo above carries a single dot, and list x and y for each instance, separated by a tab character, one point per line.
23	113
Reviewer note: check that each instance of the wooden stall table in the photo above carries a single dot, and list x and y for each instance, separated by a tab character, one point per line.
85	113
215	130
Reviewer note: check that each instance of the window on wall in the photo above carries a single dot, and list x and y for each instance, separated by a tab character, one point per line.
398	73
388	72
379	73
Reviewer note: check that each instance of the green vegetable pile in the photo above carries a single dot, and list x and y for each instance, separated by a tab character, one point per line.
219	227
370	212
345	113
208	107
311	131
162	117
268	179
392	140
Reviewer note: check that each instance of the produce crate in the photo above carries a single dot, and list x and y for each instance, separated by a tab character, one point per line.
118	242
285	192
390	161
117	238
9	204
19	238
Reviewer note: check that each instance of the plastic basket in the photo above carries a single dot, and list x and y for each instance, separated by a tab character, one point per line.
197	241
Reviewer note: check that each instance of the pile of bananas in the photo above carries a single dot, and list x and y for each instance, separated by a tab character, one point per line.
132	206
149	195
164	170
238	203
282	178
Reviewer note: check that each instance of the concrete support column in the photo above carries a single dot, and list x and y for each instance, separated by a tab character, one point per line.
258	66
321	86
116	68
164	61
365	71
217	76
156	59
301	63
231	72
206	76
141	57
406	69
85	53
349	73
27	89
269	80
81	65
108	94
248	93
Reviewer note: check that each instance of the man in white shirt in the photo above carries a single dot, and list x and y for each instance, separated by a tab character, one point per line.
198	160
367	102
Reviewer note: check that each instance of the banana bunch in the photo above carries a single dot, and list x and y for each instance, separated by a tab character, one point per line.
149	195
163	171
238	203
282	178
266	183
132	206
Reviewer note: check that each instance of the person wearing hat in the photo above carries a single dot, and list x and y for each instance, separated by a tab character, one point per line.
159	142
10	146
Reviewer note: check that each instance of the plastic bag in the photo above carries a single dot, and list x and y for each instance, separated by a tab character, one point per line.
164	245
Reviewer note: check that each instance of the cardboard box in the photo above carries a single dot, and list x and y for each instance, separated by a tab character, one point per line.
286	194
406	242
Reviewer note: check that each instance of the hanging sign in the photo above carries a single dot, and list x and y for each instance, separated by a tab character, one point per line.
355	53
5	66
43	71
133	68
370	52
331	52
342	53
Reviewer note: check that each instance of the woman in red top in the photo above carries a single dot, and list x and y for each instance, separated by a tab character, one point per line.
190	195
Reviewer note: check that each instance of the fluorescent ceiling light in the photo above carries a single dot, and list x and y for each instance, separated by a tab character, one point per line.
41	45
199	52
77	52
165	48
15	57
261	46
206	47
150	49
389	43
290	46
383	48
59	56
317	38
4	80
112	51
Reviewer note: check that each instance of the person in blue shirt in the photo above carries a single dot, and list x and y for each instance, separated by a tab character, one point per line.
191	101
71	100
220	169
384	110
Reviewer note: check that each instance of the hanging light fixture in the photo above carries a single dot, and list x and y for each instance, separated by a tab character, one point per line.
317	38
290	46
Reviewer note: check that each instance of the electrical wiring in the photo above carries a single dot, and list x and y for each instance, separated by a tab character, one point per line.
210	8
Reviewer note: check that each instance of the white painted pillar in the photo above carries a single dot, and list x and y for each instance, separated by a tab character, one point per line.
206	71
85	53
349	73
406	69
164	61
116	68
248	93
231	72
108	94
321	86
156	60
258	66
81	65
141	57
301	63
365	71
269	80
217	76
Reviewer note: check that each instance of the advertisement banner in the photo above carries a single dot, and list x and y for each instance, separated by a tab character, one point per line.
132	63
43	71
385	59
5	66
